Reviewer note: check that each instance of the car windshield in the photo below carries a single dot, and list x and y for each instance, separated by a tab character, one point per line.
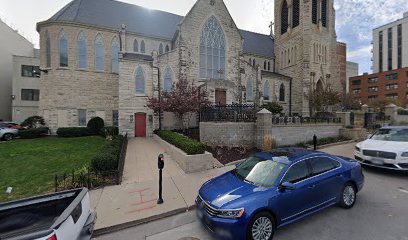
394	135
259	172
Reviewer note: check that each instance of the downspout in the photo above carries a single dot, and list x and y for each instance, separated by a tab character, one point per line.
290	97
159	90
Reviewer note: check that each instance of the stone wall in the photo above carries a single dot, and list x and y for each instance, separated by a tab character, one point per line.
227	134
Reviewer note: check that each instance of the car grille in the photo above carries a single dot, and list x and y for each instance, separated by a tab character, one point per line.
372	153
207	208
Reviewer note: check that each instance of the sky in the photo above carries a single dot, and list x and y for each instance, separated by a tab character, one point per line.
355	19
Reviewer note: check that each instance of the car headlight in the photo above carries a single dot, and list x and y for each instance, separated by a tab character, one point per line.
357	149
404	154
231	214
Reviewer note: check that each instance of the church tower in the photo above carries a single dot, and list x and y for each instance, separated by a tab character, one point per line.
305	48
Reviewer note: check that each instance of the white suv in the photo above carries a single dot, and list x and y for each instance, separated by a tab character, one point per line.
7	133
386	148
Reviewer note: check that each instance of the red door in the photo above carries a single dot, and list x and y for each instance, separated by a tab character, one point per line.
140	125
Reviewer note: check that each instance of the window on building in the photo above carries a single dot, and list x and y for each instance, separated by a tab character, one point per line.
372	98
30	95
212	51
373	80
253	62
391	86
47	50
389	49
380	53
140	81
393	76
356	82
282	93
161	49
115	55
115	118
269	66
135	46
142	47
372	89
249	91
82	117
284	17
392	96
63	50
81	51
264	65
167	48
30	71
168	80
324	13
358	90
295	13
99	53
314	11
399	46
266	92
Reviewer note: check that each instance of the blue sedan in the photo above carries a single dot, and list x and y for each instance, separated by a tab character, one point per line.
272	189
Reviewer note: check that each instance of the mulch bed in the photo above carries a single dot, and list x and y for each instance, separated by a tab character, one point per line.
227	155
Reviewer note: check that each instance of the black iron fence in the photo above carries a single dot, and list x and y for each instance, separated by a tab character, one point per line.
280	120
376	120
229	113
403	112
85	177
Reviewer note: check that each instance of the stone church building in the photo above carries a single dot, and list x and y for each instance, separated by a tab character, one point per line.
105	58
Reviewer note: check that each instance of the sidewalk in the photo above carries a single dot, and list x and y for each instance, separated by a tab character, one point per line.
134	202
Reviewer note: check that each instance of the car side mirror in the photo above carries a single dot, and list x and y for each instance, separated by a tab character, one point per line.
287	186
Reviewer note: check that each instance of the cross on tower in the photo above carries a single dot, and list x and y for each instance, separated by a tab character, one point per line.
271	27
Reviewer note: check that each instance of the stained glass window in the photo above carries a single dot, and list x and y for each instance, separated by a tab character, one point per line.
284	17
140	81
99	53
81	51
212	51
168	80
115	55
63	50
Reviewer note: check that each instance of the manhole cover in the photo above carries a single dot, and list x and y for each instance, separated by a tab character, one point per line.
189	238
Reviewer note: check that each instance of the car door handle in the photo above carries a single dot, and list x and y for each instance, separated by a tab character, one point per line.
311	187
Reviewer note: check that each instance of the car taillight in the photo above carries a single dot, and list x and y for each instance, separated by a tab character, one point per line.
54	237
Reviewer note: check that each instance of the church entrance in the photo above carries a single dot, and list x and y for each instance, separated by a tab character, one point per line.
221	97
140	125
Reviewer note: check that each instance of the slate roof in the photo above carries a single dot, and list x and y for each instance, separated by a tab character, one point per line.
152	23
137	56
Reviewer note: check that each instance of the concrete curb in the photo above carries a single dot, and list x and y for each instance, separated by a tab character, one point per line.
123	226
334	144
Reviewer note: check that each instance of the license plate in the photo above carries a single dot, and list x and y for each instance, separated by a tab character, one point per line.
377	161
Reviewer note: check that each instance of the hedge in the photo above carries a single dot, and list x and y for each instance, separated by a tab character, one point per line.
107	159
188	145
33	133
95	125
74	132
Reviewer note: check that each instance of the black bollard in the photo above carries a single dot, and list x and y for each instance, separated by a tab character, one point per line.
315	142
160	165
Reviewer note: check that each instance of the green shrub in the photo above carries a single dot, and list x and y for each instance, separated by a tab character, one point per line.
273	107
188	145
33	122
108	158
74	132
109	132
95	125
33	133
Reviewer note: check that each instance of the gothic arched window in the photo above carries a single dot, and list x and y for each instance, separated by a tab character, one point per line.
249	91
63	50
168	80
135	46
99	53
167	48
47	49
265	65
140	81
266	90
282	93
212	50
253	62
295	13
115	55
314	11
284	17
81	51
161	48
142	47
324	13
269	66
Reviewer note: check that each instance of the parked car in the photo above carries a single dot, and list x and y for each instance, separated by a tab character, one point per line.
14	125
63	216
7	133
272	189
387	148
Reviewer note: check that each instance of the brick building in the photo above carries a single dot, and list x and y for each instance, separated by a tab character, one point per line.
392	85
104	58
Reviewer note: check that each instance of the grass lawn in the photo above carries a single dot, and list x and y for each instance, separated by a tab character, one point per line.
29	166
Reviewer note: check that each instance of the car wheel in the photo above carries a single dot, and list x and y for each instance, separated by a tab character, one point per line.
8	136
261	227
348	196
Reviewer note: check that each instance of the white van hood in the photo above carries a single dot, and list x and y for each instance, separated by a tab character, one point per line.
385	146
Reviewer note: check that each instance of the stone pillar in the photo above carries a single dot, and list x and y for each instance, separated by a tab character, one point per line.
364	108
345	118
392	111
263	127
